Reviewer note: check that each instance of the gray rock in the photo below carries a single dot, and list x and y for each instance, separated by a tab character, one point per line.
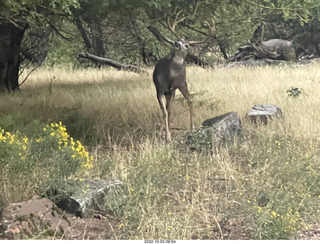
81	198
215	131
263	113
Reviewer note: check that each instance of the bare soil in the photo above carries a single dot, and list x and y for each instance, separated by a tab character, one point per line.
40	218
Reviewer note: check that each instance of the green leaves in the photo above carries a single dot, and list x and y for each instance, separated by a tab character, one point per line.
118	27
27	8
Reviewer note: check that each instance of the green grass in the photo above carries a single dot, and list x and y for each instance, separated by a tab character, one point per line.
264	185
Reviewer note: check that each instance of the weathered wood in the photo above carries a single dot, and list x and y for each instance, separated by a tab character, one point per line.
263	113
273	49
112	63
216	131
81	198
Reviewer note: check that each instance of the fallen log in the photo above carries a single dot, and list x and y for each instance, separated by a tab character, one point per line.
112	63
273	49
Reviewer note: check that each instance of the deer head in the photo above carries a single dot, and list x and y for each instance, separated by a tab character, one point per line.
182	46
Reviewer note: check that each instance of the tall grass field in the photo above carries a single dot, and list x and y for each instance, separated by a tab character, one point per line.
101	123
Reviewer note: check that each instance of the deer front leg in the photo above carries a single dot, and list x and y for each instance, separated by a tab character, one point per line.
191	115
162	102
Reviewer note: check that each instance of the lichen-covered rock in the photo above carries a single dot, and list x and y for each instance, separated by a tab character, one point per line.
215	131
81	198
263	113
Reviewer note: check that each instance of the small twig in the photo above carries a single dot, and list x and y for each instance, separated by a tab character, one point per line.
112	229
304	197
29	74
219	227
57	227
84	233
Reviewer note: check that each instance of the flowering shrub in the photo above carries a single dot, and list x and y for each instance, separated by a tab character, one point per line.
13	149
71	154
42	154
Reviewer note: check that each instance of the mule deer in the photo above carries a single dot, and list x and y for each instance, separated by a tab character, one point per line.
170	74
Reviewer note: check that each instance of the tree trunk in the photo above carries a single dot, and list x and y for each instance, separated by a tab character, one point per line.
97	40
222	48
10	41
83	33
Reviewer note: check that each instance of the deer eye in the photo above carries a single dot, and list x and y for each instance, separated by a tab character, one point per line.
177	44
187	46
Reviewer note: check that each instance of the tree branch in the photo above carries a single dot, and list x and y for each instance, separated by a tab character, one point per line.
58	32
112	63
158	35
83	33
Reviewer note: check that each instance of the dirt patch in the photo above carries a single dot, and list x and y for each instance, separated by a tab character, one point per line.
312	233
40	218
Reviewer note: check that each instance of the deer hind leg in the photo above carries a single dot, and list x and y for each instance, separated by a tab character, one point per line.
184	91
165	122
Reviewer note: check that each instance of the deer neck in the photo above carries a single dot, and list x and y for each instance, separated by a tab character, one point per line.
177	57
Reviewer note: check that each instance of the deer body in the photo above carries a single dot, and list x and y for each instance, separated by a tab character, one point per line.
169	75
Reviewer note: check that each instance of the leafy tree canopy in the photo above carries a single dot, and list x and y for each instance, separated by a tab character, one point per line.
117	28
31	10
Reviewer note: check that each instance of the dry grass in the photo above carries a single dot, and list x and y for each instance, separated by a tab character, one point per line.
127	95
264	185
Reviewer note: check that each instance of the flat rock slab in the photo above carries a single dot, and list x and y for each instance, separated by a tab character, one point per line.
263	113
81	198
215	131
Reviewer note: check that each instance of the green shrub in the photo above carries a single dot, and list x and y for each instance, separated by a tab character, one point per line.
41	154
